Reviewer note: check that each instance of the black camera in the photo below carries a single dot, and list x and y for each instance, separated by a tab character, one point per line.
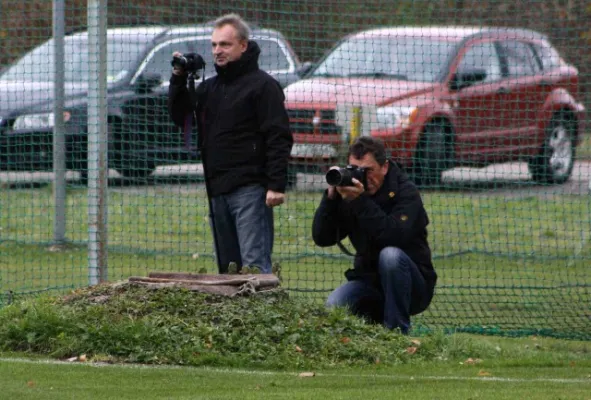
344	176
190	62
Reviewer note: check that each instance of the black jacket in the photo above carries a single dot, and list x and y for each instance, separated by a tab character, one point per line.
243	126
394	216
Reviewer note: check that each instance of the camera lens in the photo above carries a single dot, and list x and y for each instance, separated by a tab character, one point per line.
339	177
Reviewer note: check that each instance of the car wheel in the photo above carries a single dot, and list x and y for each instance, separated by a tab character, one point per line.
292	177
434	154
126	154
139	170
555	160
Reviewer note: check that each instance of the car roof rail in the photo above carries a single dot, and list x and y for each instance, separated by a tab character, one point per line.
148	24
251	25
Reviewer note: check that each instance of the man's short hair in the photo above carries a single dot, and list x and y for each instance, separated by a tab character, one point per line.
237	22
364	145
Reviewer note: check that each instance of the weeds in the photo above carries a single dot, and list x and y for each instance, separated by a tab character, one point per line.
126	323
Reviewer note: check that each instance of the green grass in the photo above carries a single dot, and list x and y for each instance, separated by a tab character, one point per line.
510	266
584	149
116	328
443	380
503	262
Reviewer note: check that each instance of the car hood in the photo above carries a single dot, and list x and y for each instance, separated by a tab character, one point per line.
27	95
353	90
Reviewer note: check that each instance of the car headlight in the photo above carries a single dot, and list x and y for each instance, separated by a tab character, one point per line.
37	121
395	116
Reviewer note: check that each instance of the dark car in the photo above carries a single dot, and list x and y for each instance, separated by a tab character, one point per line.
442	97
141	134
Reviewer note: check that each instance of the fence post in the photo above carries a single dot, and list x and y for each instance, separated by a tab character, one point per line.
59	161
97	141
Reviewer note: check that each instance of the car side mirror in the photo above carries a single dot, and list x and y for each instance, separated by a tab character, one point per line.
147	81
305	68
467	77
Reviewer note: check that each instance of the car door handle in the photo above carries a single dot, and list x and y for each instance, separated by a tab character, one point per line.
503	90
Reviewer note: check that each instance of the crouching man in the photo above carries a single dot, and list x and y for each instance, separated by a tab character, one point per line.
392	277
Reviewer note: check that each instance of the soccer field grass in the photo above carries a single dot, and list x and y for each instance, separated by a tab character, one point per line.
43	380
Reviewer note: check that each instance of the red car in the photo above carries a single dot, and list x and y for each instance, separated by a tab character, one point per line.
441	97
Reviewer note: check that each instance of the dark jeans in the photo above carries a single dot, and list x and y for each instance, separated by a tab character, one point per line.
403	292
244	228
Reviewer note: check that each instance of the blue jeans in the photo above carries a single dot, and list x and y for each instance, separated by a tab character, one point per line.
403	292
244	228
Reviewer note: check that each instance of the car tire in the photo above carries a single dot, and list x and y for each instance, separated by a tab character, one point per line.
138	170
555	160
434	154
126	156
292	177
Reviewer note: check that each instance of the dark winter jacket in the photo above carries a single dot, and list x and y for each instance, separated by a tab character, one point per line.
393	217
243	126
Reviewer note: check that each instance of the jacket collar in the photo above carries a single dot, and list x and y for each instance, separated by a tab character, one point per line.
248	62
389	189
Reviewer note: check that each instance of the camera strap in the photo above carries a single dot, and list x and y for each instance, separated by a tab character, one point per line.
342	246
188	131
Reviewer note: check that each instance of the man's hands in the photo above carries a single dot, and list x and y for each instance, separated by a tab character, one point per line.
177	69
274	198
348	193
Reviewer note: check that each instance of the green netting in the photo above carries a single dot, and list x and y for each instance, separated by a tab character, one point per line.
490	119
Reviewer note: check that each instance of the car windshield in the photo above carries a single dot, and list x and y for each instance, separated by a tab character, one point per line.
403	57
37	65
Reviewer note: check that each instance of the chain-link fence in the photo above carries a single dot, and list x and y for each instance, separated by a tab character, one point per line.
483	103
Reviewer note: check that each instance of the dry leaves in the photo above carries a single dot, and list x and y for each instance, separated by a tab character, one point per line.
413	349
81	358
472	361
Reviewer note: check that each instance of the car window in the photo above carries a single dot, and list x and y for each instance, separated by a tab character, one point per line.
37	65
519	58
547	55
410	58
482	56
272	57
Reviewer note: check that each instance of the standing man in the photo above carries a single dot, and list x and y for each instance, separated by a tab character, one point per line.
393	277
245	141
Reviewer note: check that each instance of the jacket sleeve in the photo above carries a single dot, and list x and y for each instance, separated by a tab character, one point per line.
406	220
179	103
327	228
274	125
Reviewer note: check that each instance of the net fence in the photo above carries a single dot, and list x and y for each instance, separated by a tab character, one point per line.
484	103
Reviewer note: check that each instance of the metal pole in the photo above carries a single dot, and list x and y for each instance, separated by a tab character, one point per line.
59	161
97	141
